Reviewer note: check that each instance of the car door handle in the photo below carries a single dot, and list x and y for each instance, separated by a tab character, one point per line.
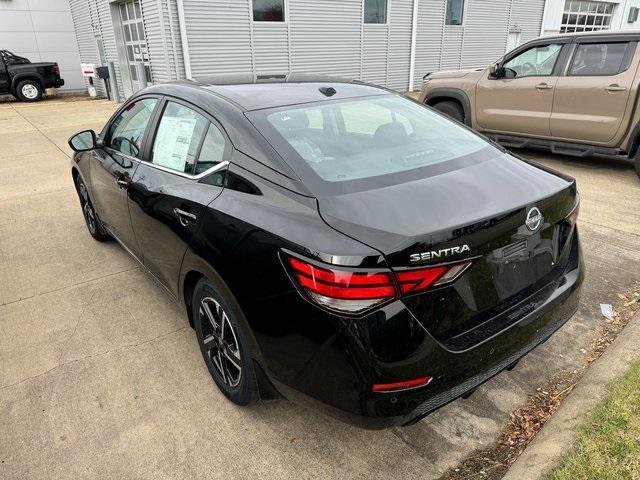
185	218
615	88
122	183
544	86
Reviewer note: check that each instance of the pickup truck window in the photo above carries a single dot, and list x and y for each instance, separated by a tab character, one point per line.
598	59
535	62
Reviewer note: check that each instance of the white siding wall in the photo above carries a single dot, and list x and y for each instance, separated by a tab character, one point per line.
270	48
325	37
527	15
481	39
430	38
375	54
400	23
42	31
486	25
219	36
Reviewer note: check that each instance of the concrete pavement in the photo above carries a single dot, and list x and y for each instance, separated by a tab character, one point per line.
101	377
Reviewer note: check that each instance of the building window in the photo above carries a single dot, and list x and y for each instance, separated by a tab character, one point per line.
455	12
375	11
585	16
268	10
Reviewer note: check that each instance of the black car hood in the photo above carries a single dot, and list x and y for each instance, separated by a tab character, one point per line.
409	217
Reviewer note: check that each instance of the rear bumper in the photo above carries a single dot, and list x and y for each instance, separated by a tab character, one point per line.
331	362
543	323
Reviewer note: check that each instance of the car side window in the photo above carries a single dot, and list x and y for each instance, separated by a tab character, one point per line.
534	62
595	59
178	139
127	130
212	152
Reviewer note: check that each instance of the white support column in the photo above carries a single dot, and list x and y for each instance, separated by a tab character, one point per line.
185	41
544	17
412	57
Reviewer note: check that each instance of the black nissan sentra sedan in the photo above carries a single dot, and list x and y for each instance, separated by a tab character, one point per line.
335	242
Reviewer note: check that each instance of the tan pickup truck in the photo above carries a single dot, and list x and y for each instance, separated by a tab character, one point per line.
574	94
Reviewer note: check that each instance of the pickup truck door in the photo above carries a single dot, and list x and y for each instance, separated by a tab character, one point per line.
521	99
592	100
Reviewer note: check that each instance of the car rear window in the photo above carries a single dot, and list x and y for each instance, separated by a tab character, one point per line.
337	143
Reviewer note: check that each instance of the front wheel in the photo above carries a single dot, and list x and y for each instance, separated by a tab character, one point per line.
29	91
91	219
224	344
451	109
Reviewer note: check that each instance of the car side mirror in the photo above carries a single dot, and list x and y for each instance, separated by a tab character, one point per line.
496	71
84	141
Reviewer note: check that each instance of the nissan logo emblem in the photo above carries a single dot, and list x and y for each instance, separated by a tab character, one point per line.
534	219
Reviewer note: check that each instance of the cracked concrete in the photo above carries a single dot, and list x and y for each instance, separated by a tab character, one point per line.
100	376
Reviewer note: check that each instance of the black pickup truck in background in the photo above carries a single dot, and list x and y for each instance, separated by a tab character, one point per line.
25	80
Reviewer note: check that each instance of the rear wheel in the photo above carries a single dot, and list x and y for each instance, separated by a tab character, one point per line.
224	344
451	109
94	225
29	91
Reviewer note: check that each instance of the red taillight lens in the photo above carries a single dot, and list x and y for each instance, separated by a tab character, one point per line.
406	385
412	281
343	290
56	69
354	292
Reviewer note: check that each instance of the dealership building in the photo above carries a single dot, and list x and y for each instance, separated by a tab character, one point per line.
387	42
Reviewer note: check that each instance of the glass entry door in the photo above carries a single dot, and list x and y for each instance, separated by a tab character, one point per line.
134	40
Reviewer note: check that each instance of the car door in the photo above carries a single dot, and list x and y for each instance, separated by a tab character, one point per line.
114	164
170	192
592	100
519	98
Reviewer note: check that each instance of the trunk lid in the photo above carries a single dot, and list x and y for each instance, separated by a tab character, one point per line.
477	212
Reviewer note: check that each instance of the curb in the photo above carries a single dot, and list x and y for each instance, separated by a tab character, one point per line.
559	434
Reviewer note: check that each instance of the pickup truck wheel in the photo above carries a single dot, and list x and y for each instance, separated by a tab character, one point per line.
451	109
29	91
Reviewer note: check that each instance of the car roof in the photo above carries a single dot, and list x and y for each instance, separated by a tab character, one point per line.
251	92
622	34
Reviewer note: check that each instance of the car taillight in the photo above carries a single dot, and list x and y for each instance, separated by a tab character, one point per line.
56	69
572	218
342	290
417	280
351	291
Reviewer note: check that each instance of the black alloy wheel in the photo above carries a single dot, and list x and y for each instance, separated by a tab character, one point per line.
223	344
94	225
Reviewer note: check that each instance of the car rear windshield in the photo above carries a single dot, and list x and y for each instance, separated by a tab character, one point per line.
367	142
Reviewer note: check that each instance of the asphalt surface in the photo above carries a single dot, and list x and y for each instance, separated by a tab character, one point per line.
101	377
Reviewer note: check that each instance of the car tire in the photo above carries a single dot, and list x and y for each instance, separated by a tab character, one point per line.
636	162
451	109
29	91
91	219
224	342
